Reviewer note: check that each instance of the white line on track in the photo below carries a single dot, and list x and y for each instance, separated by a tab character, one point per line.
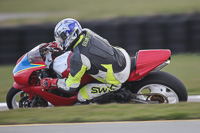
3	104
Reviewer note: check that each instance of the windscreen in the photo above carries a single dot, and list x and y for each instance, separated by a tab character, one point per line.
34	56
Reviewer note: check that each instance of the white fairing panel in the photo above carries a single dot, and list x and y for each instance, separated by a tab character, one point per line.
60	63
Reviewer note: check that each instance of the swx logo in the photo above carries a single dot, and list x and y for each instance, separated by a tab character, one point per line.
96	90
87	38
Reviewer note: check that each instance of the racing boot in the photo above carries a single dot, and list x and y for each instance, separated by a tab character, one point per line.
121	96
124	96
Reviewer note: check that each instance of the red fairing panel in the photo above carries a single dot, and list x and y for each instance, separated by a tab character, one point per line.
147	60
22	77
53	99
24	88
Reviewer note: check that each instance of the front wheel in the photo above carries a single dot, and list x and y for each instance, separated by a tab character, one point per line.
161	83
17	98
13	97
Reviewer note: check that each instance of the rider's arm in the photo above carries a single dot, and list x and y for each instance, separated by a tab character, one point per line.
77	70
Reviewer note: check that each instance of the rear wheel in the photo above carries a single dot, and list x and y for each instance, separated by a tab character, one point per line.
161	83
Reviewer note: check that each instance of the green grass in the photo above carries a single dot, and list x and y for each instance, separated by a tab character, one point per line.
102	113
93	9
184	66
6	81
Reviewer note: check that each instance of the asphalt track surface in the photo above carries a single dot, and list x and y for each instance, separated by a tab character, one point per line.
188	126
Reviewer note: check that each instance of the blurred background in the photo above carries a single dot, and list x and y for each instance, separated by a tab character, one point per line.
131	24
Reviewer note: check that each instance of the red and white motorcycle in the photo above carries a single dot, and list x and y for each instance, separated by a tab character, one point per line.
146	81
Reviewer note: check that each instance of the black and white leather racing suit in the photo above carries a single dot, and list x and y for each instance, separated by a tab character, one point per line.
94	55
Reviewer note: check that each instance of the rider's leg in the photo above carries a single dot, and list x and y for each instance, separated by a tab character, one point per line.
94	90
102	93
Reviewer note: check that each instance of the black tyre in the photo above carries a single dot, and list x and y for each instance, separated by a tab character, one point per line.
163	83
12	98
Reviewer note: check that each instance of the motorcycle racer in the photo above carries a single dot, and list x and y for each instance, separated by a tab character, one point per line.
93	55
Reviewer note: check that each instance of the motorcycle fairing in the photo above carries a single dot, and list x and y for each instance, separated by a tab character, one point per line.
25	64
53	99
24	68
148	60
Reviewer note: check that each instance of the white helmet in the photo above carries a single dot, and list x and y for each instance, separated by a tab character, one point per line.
66	31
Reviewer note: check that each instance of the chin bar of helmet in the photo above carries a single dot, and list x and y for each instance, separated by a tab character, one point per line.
69	39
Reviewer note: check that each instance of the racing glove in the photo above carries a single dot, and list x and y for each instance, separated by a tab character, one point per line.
49	83
52	46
